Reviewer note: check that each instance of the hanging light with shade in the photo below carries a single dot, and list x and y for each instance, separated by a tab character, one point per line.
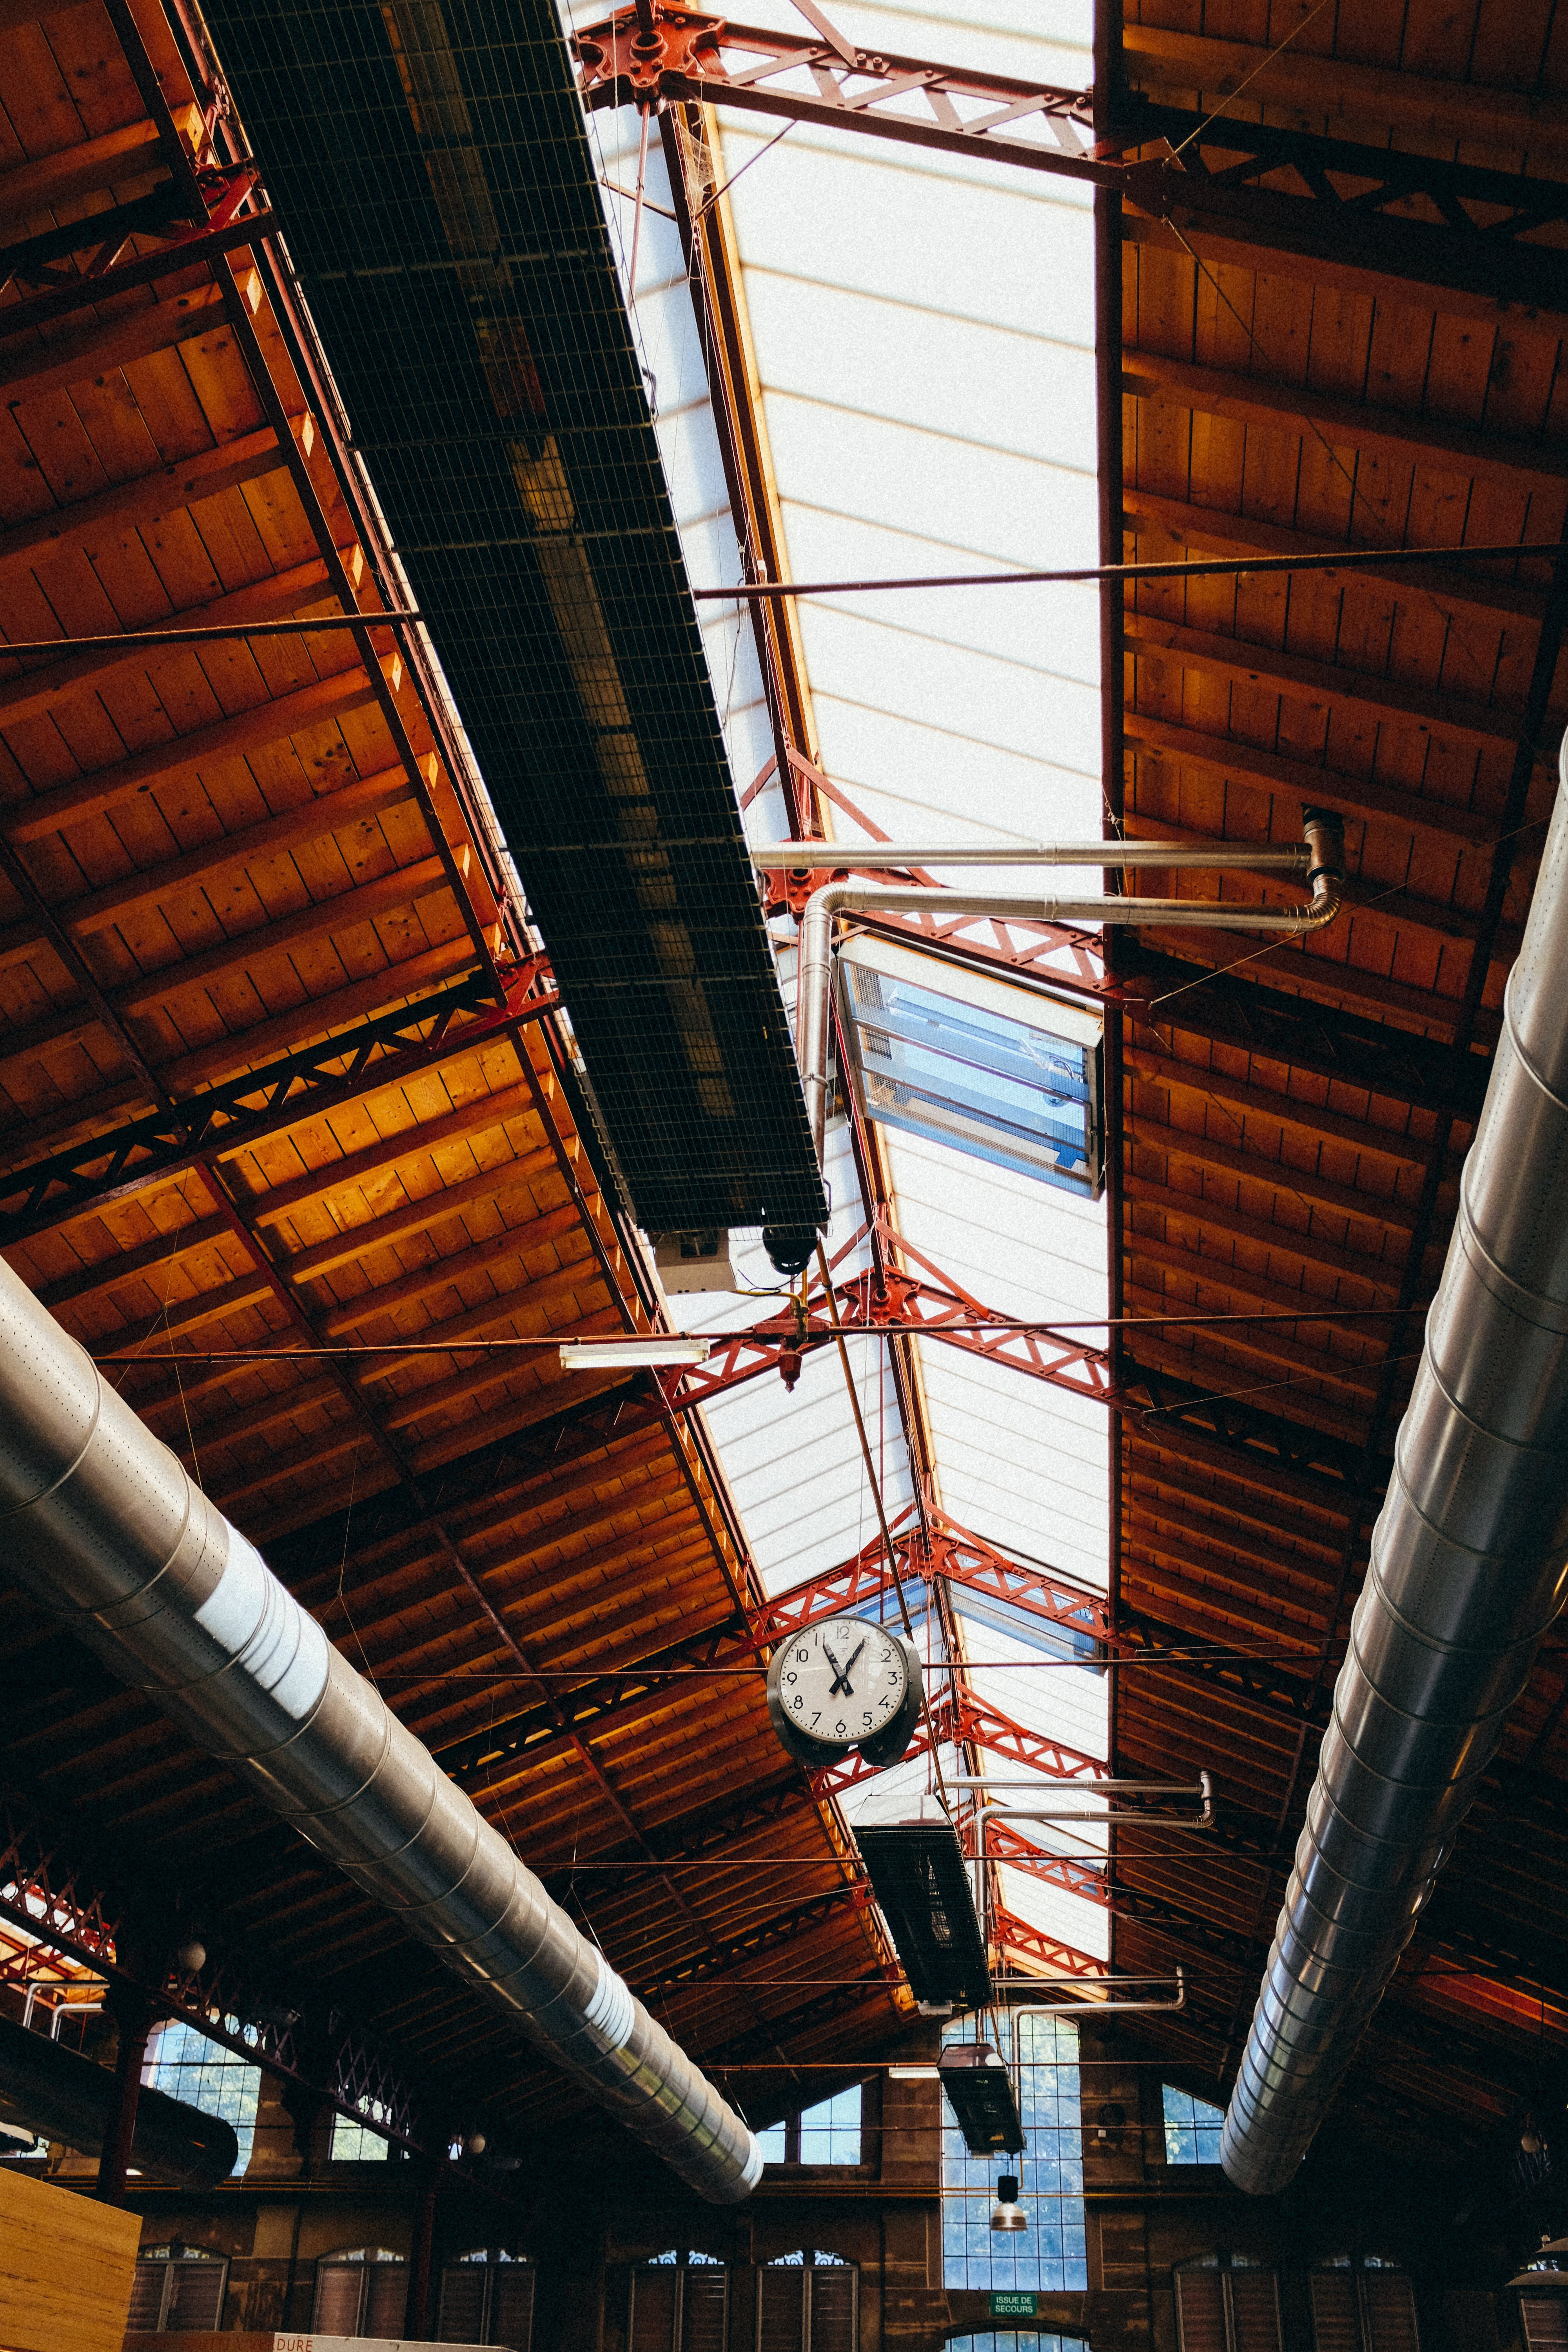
1007	2214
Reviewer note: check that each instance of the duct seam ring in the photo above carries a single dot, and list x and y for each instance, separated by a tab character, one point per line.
15	1509
753	2167
612	2013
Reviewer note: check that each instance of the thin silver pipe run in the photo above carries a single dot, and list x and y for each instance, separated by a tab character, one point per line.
803	856
99	1523
1468	1572
1091	2012
1324	872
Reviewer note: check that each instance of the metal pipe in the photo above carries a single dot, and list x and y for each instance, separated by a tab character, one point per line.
103	1527
57	2095
1091	2012
796	856
1468	1572
1324	873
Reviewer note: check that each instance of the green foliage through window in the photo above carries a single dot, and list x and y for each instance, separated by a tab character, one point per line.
1191	2129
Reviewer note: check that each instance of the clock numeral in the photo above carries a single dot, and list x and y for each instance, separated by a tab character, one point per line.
842	1728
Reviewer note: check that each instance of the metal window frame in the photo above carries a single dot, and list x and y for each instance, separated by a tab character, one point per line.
336	2261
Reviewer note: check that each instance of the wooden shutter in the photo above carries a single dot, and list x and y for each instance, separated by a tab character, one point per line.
1545	2320
197	2301
705	2303
147	2296
386	2303
832	2310
338	2290
512	2305
1200	2311
781	2308
1336	2320
1254	2311
654	2305
1389	2311
462	2319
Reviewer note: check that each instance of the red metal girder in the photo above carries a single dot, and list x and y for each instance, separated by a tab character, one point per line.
1069	1871
1016	1935
989	1728
927	1300
640	56
183	245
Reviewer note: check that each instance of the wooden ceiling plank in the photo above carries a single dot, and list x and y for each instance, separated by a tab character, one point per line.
1196	1150
481	1114
145	500
1380	1274
1293	408
1318	975
1263	1341
186	1314
1233	1284
1304	779
1346	95
1251	1518
359	802
582	1276
126	155
363	1313
535	1392
420	1214
1291	1397
164	1250
43	688
164	765
1162	525
1255	1475
318	923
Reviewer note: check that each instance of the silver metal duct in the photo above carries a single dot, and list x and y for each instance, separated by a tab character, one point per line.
98	1522
1467	1574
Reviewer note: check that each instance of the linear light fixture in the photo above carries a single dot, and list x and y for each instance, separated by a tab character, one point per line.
592	1355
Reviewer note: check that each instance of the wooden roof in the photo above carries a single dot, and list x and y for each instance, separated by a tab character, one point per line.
278	1070
1275	404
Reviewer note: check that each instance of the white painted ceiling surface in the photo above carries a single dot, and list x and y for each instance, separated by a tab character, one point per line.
923	332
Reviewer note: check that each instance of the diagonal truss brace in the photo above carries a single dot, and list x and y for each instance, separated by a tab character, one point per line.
915	1293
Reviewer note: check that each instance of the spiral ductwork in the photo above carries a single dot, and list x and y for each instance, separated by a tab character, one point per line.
100	1524
1467	1574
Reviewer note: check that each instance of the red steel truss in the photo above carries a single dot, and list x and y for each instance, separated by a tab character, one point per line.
40	262
913	1294
1016	1935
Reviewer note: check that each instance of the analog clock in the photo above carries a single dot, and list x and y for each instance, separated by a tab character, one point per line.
843	1683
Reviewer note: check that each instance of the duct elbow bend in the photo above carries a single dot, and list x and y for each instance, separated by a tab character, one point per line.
1325	833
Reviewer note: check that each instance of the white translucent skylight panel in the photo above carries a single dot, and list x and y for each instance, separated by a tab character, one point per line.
1069	1917
1012	1469
895	1794
1068	1703
1019	1246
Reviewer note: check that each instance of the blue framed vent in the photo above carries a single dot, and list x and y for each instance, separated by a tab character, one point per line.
1014	1091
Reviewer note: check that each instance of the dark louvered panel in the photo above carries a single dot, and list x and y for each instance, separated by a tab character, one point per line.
1254	2311
1200	2311
832	2311
781	2310
1336	2320
655	2294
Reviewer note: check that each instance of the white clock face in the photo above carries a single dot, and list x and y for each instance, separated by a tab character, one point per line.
842	1681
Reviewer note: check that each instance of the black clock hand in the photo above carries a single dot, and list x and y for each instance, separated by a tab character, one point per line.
848	1689
838	1679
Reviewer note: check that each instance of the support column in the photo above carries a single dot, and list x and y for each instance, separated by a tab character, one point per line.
134	2016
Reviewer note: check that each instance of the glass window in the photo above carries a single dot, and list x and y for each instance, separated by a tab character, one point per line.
679	2303
828	2132
354	2142
185	2065
178	2290
1050	2253
807	2301
1228	2303
1362	2304
1191	2129
1007	1090
487	2297
1022	2342
363	2291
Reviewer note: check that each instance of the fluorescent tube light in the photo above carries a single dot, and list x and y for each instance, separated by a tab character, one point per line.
590	1355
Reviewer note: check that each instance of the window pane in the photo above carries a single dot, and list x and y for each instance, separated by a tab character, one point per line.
832	2311
830	2132
185	2065
1050	2254
147	2296
771	2142
704	2304
653	2294
357	2143
1336	2323
1192	2128
1390	2311
1200	2310
462	2319
512	2306
338	2287
781	2303
386	2303
1254	2304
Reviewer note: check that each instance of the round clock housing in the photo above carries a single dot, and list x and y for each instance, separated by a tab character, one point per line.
842	1684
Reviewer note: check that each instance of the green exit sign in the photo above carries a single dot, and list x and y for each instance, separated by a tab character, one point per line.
1012	2303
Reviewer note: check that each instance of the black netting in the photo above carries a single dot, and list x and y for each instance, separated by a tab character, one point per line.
429	167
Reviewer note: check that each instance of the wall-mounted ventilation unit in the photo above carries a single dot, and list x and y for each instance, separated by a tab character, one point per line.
980	2093
921	1884
696	1260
